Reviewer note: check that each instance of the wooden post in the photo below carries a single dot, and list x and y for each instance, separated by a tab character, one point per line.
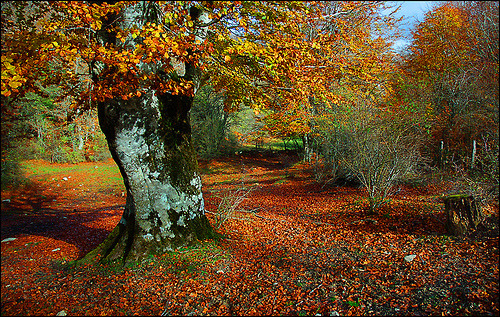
473	154
441	158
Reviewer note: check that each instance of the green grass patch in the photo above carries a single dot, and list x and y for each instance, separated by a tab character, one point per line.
353	303
194	257
39	170
280	179
290	144
55	169
100	175
205	252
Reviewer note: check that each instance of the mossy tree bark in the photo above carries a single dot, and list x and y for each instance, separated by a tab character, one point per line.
149	138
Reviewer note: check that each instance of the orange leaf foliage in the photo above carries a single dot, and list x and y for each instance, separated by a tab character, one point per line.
261	52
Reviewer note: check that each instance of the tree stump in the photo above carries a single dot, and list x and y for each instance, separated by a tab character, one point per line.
462	214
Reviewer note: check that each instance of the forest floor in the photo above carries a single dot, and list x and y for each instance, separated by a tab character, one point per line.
294	248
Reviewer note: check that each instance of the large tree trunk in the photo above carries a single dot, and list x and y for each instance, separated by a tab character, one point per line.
150	140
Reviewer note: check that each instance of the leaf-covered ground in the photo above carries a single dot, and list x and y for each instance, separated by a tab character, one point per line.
295	248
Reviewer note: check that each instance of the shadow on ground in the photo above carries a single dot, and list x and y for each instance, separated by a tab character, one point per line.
31	213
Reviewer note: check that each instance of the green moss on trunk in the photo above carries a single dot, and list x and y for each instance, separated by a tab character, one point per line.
151	143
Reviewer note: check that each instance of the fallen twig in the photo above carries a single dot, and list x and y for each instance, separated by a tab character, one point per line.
311	291
252	210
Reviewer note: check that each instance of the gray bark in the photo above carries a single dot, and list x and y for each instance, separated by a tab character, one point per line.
150	140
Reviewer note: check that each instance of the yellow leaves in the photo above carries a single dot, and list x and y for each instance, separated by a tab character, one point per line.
96	25
121	37
123	68
139	50
11	76
8	66
286	49
156	33
442	41
15	84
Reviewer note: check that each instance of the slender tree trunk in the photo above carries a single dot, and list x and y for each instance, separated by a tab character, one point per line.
81	141
307	148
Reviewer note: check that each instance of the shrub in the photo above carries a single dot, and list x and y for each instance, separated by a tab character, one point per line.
380	158
97	149
230	202
481	182
360	143
12	174
330	144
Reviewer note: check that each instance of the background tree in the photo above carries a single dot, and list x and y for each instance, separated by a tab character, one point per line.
454	56
453	61
211	124
34	112
290	125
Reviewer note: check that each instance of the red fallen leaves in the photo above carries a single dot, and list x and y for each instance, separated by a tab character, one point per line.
305	251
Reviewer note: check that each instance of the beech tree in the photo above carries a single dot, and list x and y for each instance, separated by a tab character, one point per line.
142	64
